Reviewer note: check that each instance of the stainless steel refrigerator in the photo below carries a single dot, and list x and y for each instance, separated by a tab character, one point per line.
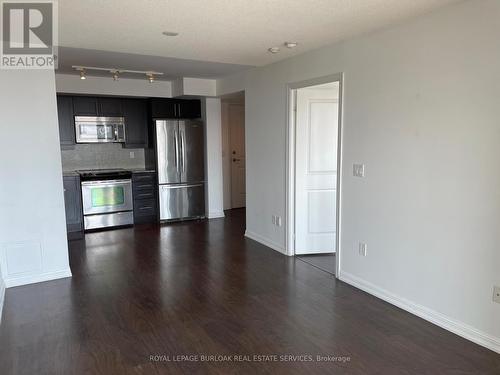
181	168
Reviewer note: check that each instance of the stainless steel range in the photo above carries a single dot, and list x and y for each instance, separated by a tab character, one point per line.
107	198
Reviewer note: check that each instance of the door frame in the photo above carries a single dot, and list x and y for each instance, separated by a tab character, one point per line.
291	91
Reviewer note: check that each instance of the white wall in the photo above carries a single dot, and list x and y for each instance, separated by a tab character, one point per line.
33	244
186	86
72	84
213	160
421	110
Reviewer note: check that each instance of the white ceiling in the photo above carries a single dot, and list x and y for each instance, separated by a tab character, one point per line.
227	31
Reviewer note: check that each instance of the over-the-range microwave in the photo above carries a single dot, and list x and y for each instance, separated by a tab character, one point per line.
91	129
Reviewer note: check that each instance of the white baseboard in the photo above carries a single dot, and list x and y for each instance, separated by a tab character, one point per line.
459	328
264	241
216	215
31	279
2	297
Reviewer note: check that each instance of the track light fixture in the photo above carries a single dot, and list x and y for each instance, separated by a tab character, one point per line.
115	73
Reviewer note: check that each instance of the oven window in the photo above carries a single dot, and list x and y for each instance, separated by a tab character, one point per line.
108	196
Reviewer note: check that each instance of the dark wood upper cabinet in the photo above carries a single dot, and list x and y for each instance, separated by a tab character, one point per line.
163	108
110	107
66	122
85	106
175	108
94	106
189	108
135	112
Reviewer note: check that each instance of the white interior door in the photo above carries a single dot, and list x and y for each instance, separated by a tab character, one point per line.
237	148
316	169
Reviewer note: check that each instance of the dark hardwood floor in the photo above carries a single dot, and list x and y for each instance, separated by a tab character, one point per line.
200	288
325	262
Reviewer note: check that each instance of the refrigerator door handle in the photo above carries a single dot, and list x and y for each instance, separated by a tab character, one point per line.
176	150
183	145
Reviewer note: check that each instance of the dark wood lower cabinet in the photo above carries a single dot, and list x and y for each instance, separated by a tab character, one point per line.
144	187
73	206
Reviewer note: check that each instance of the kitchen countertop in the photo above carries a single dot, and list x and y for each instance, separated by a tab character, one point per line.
133	170
143	170
70	174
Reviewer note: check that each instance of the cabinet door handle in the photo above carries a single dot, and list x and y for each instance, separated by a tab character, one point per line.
145	208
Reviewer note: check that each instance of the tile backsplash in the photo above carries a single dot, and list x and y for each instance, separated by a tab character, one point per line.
98	156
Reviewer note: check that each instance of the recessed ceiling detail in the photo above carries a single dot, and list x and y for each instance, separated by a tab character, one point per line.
171	67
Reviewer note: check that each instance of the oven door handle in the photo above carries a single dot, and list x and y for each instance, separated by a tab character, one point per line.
108	182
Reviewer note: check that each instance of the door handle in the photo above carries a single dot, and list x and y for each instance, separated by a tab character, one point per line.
176	151
235	160
183	147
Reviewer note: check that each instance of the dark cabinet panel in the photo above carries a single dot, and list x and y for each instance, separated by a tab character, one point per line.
144	187
163	108
96	106
135	112
85	106
110	107
73	206
189	109
66	122
175	108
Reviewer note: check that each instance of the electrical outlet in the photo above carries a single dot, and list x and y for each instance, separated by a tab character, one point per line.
132	155
362	249
496	294
358	170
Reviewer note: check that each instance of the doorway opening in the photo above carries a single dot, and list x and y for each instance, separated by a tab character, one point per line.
314	172
233	150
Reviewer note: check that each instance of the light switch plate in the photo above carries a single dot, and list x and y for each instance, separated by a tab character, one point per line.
358	170
496	294
362	249
132	155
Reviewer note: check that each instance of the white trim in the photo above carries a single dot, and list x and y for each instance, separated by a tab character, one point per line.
290	163
2	297
461	329
38	278
266	242
216	214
